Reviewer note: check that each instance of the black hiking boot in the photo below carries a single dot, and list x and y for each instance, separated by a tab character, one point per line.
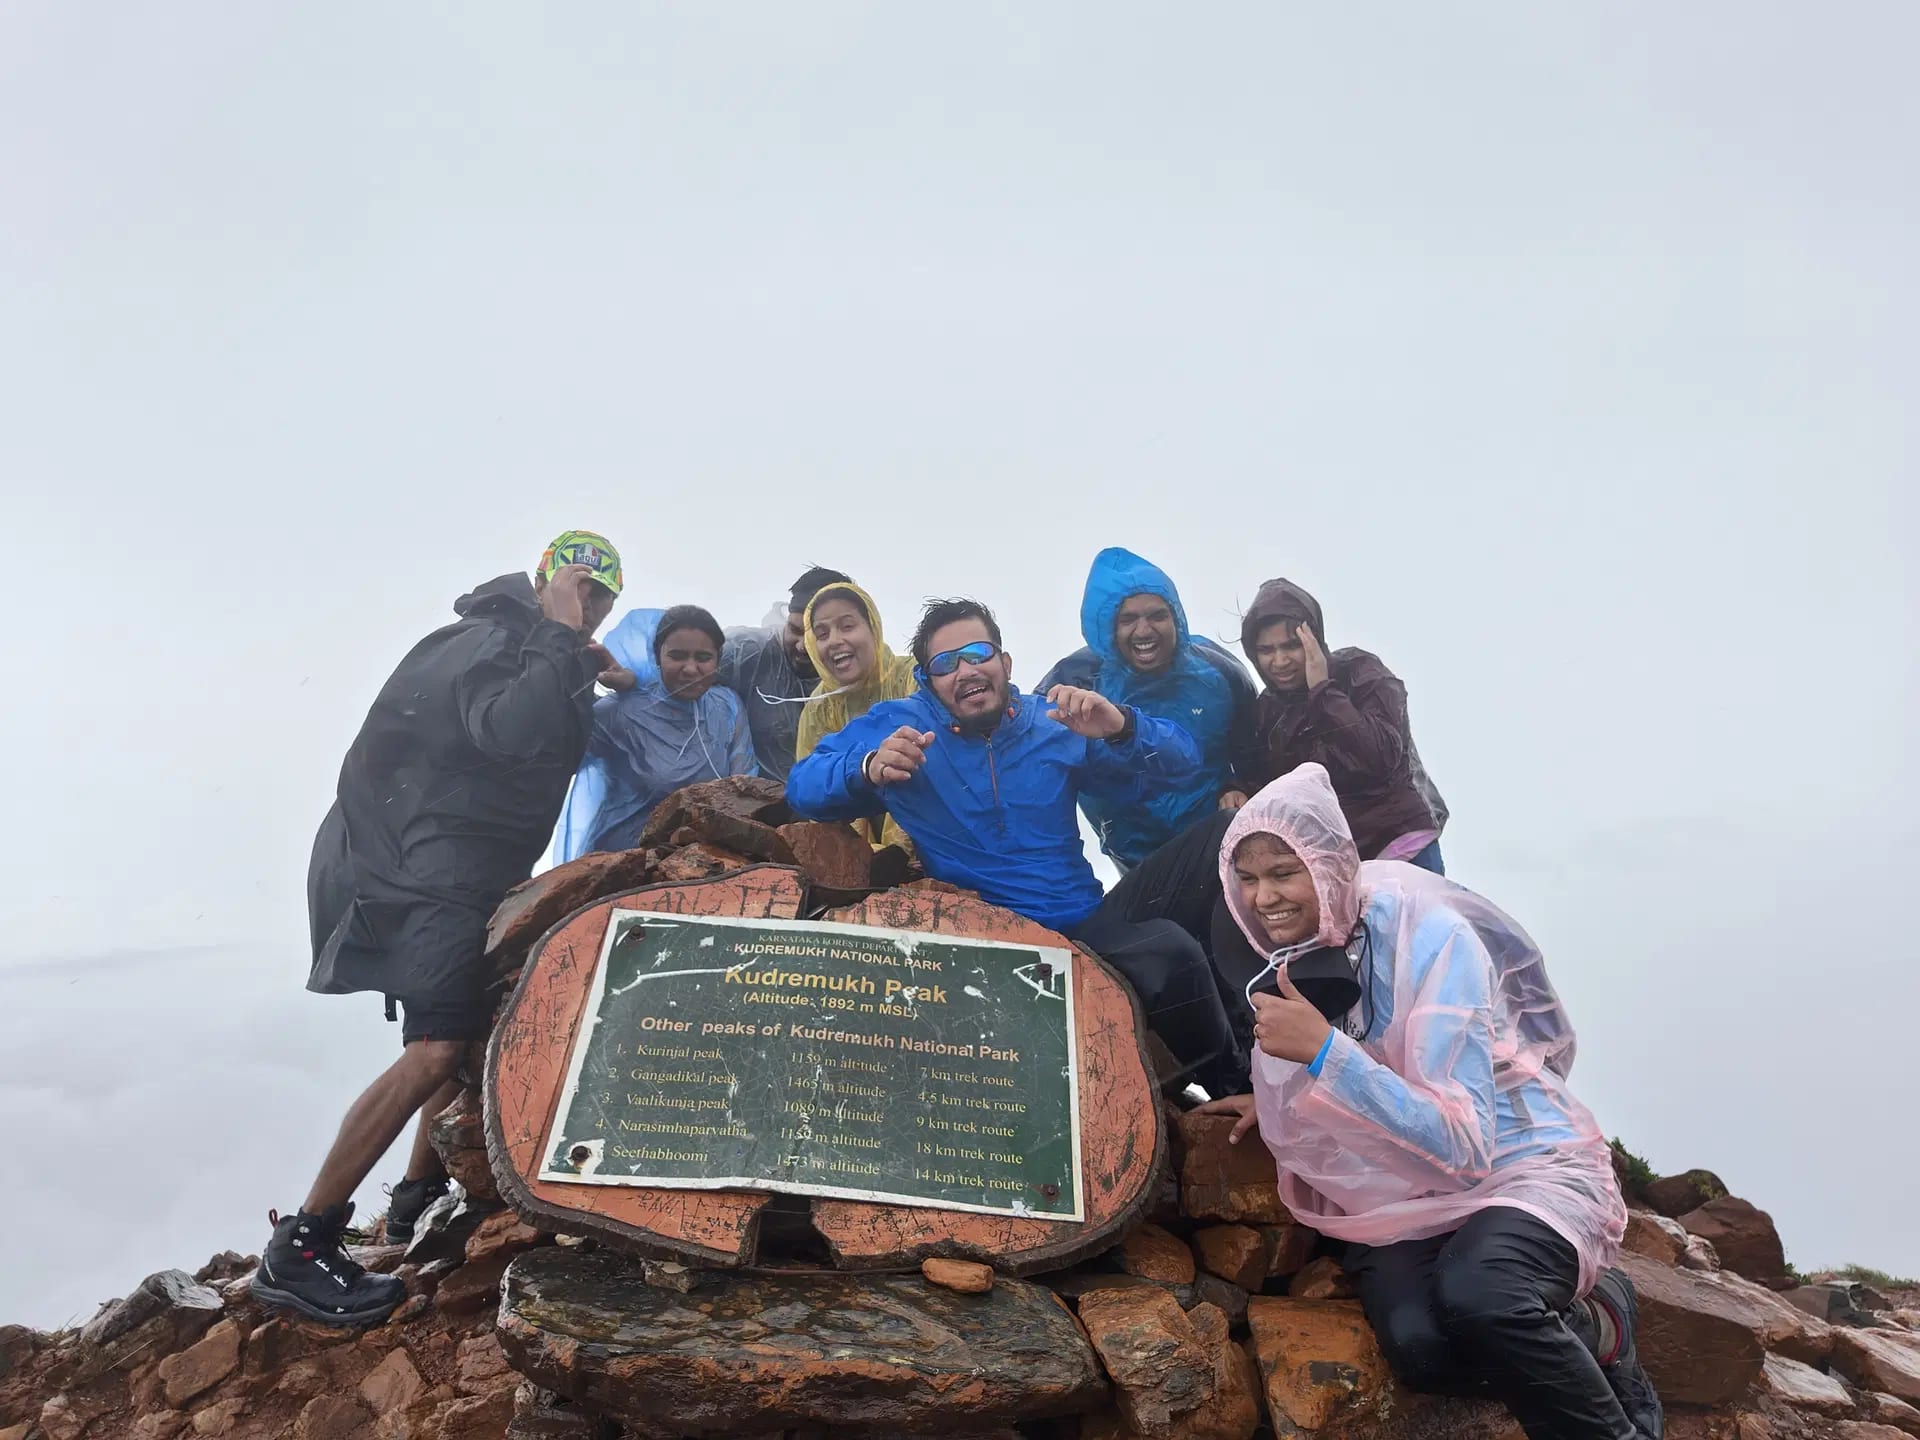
406	1202
304	1269
1631	1387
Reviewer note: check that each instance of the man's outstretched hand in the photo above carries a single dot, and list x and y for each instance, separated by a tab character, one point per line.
899	756
1086	712
612	673
1238	1106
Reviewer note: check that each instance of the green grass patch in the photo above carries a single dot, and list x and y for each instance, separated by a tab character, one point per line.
1639	1174
1879	1279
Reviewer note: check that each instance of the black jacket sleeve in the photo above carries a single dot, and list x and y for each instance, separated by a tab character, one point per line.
518	699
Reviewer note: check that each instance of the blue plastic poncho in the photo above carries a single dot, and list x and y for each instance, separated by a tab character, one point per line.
1204	692
652	744
646	744
631	643
644	739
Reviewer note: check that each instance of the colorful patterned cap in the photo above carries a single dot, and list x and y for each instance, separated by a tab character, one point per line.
583	547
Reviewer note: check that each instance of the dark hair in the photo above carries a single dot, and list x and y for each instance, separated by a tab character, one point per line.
811	582
847	593
687	617
945	612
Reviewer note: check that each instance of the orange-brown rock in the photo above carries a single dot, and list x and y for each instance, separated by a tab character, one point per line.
1891	1410
699	862
202	1365
1230	1299
480	1367
1292	1246
472	1287
967	1277
879	1354
1784	1328
1674	1195
1238	1254
831	855
393	1384
1743	1237
1157	1360
1156	1254
1318	1361
1221	1181
1700	1341
533	907
1235	1410
164	1313
1804	1387
459	1138
471	1417
333	1417
1323	1279
707	808
1699	1255
504	1233
1650	1235
1887	1361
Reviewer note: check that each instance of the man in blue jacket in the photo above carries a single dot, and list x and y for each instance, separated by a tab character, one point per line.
984	780
1140	653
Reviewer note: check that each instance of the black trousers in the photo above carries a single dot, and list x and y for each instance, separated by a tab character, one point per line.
1168	970
1482	1312
1180	883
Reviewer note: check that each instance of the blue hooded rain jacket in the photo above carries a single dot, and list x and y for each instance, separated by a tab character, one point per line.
995	814
1206	693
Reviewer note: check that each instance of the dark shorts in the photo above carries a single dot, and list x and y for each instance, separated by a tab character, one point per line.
446	1017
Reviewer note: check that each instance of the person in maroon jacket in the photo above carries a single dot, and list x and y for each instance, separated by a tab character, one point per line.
1344	710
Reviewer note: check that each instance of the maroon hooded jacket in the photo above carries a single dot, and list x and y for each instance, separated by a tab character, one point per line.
1355	724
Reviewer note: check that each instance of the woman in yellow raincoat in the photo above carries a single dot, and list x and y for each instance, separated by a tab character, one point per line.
857	671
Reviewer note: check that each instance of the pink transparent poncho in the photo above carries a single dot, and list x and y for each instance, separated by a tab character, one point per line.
1453	1097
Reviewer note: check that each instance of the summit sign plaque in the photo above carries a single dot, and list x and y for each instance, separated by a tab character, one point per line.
822	1059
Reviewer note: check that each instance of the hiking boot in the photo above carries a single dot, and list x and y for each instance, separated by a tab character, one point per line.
407	1202
305	1269
1622	1367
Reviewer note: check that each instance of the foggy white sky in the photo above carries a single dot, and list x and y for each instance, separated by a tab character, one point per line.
1567	353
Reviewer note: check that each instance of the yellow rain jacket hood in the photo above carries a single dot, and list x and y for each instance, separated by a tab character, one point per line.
831	708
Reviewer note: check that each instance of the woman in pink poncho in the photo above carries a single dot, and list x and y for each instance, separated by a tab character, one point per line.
1410	1079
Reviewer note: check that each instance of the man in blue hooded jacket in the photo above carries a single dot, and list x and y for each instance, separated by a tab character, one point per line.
1140	653
984	780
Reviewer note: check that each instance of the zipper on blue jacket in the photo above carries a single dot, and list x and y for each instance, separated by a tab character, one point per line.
993	773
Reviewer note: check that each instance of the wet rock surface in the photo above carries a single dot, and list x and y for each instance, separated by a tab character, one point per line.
1222	1181
1701	1344
1744	1238
867	1355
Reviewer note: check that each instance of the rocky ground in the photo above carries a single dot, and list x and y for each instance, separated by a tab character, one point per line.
1215	1320
1217	1317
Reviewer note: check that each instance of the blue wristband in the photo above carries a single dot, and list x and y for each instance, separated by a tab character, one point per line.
1313	1067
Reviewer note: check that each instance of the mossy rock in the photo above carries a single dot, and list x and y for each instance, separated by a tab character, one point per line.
1677	1195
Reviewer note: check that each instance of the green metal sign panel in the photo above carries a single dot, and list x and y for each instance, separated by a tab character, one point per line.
825	1059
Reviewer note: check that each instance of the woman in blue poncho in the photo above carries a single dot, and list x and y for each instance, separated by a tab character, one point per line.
1139	652
660	733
